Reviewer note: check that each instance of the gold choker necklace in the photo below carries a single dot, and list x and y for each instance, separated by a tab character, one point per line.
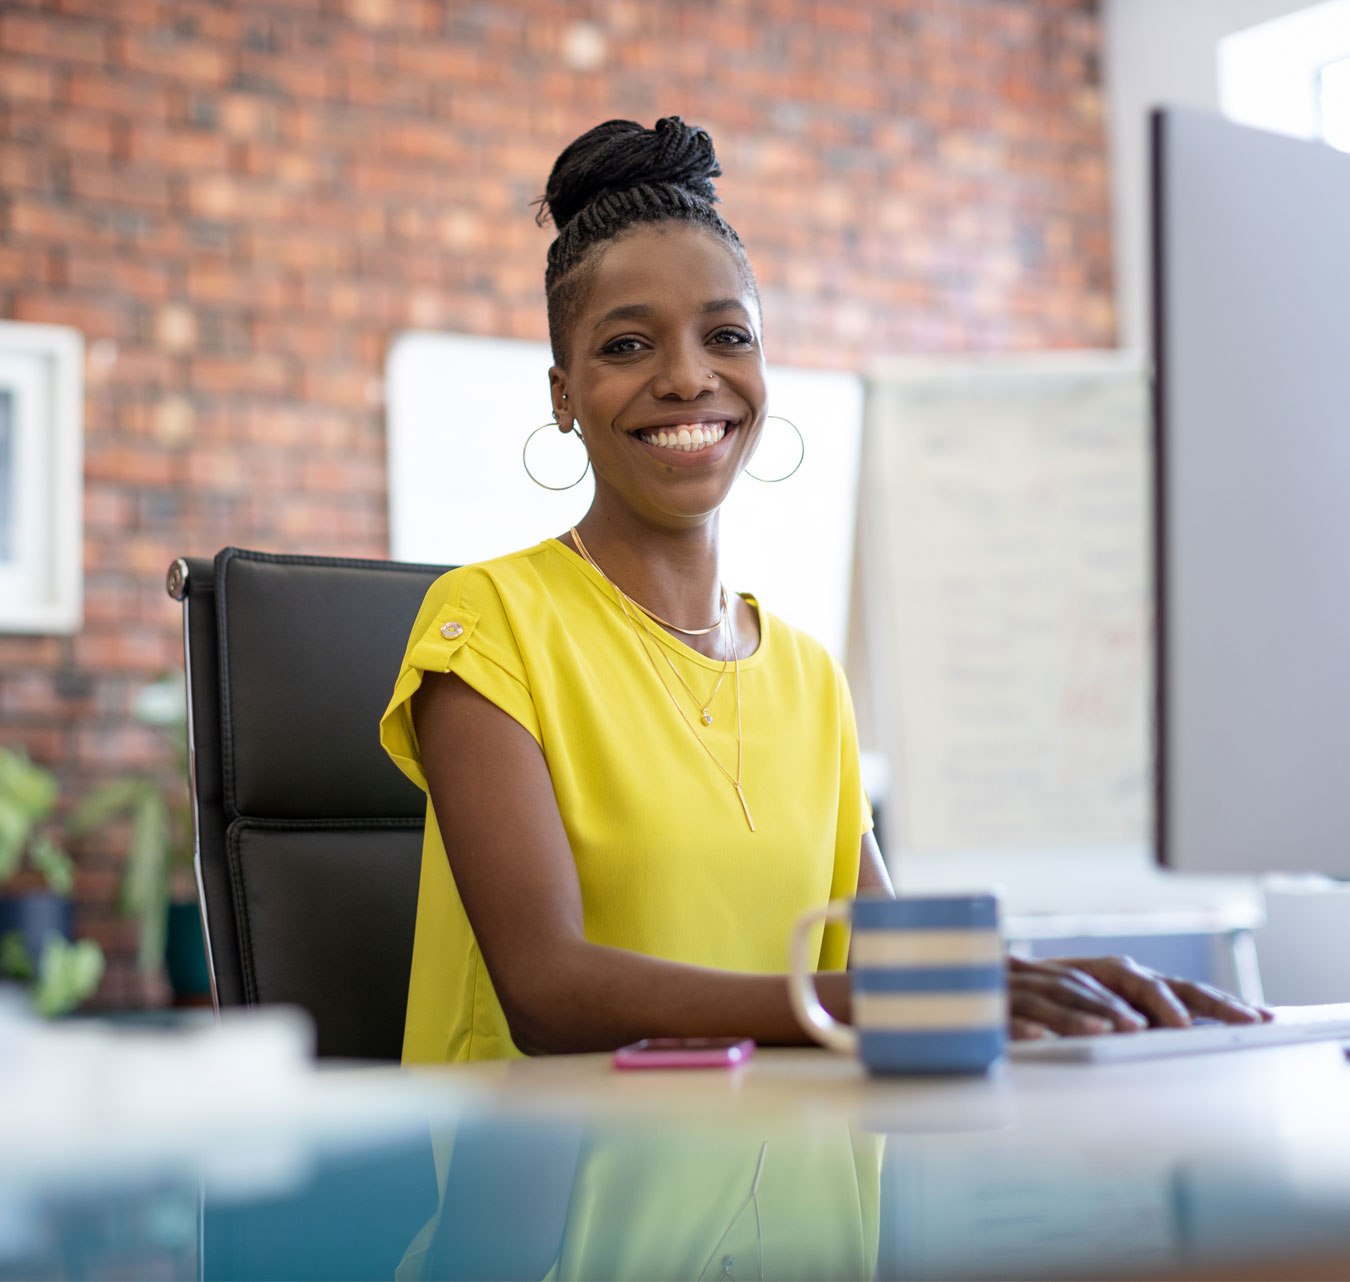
652	614
704	706
623	600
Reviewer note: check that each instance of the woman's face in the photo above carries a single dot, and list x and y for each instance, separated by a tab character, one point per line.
665	374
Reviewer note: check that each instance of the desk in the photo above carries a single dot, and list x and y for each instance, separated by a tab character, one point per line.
1232	1165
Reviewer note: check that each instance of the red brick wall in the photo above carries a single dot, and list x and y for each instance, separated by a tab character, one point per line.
240	204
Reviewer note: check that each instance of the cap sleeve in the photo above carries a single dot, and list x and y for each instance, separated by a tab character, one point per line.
463	627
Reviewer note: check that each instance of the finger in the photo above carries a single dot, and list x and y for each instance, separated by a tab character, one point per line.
1201	999
1148	992
1079	989
1026	1030
1037	1008
1067	991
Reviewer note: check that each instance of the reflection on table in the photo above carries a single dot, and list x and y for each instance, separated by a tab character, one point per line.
795	1166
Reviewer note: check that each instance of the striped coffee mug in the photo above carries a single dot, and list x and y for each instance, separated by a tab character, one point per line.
929	988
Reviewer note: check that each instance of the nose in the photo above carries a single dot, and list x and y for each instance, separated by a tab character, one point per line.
684	373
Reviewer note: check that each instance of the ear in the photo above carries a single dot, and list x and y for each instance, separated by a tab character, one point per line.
557	388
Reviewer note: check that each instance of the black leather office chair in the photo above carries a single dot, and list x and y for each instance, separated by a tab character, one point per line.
308	839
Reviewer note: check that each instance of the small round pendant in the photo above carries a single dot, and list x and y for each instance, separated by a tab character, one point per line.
707	717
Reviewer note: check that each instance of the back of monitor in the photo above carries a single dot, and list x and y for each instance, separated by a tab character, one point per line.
1252	539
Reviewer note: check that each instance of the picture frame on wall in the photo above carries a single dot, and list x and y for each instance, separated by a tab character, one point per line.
41	477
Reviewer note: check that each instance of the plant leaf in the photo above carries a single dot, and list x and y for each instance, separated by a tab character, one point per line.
14	829
54	864
67	974
27	795
16	962
31	787
108	800
145	889
147	854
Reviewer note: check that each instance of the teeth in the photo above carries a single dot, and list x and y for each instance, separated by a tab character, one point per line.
686	436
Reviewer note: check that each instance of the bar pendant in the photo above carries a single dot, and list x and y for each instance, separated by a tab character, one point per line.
744	807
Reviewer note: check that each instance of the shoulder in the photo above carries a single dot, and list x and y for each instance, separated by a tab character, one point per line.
790	642
480	604
490	584
795	656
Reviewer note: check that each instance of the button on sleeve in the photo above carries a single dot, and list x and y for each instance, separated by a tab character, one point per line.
435	649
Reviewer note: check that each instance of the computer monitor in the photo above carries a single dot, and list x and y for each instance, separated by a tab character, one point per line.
1251	259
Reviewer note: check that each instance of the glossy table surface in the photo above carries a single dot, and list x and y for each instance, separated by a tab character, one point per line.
796	1165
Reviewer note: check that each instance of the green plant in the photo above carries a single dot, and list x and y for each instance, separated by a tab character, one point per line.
160	840
156	846
64	973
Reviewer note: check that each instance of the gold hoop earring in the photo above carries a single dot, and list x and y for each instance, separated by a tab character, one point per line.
525	462
801	441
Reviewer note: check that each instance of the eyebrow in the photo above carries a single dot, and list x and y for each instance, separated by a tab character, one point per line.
642	311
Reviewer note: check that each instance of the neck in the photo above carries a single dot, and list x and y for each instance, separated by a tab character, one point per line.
673	573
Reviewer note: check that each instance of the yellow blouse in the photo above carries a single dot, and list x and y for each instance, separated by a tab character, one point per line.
665	859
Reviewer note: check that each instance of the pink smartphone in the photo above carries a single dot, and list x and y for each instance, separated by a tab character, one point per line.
685	1052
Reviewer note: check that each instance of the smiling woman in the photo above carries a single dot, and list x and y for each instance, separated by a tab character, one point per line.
667	390
636	780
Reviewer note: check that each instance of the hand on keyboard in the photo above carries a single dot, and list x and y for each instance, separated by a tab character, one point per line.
1086	995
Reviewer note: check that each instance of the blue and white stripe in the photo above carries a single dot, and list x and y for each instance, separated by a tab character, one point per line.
929	989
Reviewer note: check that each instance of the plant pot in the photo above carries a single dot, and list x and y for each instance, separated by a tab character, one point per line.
185	956
35	915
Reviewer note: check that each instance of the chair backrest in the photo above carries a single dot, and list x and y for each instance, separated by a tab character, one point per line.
308	839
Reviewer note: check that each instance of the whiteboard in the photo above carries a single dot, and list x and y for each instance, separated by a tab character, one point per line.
460	408
1008	601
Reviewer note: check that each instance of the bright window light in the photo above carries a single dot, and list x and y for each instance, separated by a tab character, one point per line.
1334	103
1283	75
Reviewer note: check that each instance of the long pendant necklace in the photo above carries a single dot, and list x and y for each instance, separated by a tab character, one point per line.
704	706
621	598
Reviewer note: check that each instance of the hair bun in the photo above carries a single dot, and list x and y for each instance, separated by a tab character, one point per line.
621	154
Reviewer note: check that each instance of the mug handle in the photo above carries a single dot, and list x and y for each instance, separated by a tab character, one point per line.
811	1015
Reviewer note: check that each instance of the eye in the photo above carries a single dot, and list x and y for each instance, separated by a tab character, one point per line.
730	336
624	346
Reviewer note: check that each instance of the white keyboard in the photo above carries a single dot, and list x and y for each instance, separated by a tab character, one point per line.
1291	1024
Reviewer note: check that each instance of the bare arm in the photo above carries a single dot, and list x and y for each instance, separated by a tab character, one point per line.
516	876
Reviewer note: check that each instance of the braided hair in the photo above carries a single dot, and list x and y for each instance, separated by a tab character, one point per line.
613	178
